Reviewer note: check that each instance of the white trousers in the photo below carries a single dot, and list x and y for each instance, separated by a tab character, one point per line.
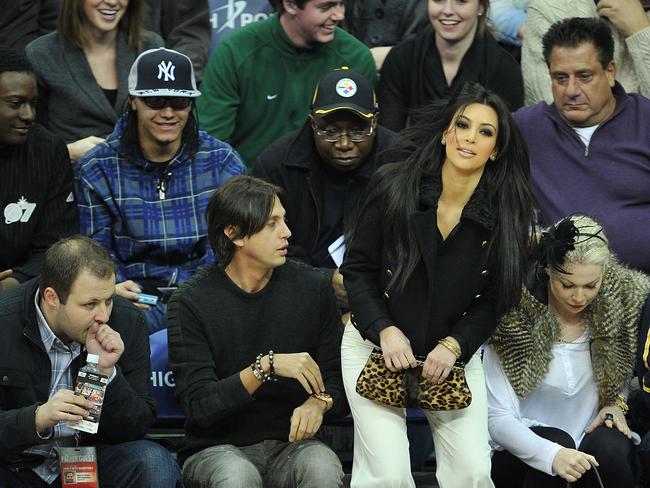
381	454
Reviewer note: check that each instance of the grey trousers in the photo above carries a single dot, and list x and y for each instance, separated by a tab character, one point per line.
270	464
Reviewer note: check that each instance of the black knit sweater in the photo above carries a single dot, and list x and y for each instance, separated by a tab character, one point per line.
216	329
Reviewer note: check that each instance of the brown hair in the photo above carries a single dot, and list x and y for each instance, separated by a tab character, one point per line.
244	202
71	23
483	26
279	5
66	259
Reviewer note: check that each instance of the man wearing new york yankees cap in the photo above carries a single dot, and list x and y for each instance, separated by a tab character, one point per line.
324	167
143	192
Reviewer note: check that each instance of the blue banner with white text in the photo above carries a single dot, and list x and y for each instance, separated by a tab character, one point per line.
227	16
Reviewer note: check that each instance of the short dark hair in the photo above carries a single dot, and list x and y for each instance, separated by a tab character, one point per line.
67	258
130	140
14	60
575	31
243	202
278	5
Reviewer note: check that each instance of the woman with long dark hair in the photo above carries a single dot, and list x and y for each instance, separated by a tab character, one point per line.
438	252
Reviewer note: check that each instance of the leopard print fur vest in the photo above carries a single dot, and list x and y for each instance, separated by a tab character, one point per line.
525	335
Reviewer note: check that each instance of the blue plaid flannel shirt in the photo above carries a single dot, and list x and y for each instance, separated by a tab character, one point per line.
149	217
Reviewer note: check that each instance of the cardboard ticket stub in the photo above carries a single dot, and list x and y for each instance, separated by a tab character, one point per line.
78	467
91	386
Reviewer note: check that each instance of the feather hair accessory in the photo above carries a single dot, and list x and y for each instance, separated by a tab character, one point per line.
556	242
561	238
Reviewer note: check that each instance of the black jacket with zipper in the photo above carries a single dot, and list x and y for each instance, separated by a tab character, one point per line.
25	376
293	164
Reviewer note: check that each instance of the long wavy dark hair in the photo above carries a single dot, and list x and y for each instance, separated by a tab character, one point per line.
507	180
130	141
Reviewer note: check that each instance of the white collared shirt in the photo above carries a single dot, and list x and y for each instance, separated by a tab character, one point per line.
567	398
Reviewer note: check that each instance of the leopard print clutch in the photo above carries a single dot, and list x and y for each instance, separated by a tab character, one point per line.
407	388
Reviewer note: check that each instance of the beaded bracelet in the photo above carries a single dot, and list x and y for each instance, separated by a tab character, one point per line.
258	374
272	376
455	350
257	368
258	371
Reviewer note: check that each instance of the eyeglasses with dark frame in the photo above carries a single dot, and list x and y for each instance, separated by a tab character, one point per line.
158	103
329	134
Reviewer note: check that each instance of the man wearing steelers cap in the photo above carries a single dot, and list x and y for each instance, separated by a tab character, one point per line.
324	167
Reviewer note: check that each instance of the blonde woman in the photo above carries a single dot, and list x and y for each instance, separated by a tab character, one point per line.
559	362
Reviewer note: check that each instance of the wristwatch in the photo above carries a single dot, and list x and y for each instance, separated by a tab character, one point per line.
325	397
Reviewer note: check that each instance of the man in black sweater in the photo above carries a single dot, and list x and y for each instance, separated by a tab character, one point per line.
324	167
36	184
254	344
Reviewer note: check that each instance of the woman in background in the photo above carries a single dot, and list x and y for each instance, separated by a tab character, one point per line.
456	48
82	68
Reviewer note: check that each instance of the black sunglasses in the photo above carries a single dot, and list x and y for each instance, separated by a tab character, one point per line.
158	103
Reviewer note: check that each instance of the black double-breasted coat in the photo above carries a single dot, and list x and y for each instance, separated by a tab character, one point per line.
450	292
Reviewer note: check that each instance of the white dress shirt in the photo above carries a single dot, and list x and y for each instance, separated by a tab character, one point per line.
567	398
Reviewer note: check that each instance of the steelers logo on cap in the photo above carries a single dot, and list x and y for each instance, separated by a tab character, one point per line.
346	87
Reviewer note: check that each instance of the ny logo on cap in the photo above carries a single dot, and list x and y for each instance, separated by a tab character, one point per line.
167	70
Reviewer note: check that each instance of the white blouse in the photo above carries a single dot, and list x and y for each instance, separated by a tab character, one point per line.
567	398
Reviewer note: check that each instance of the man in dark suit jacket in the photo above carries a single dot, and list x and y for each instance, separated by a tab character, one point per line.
47	326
